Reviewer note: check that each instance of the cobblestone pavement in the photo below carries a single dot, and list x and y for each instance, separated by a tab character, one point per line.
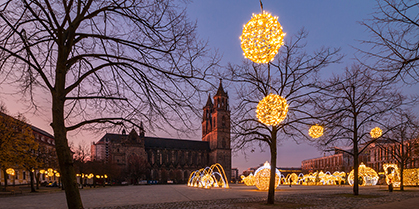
238	196
371	198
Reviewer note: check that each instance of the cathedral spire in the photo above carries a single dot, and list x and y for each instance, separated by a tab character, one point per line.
209	101
220	91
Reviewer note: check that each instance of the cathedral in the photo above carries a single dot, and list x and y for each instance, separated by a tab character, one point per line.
139	157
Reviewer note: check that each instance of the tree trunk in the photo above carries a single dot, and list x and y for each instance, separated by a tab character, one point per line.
64	155
271	192
32	183
37	180
401	176
356	166
5	178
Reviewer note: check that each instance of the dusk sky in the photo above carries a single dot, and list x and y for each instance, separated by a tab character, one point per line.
330	23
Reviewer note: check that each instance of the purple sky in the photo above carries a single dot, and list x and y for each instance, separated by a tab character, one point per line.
329	23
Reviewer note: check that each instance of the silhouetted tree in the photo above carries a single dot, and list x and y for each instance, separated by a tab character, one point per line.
102	62
394	43
289	76
350	105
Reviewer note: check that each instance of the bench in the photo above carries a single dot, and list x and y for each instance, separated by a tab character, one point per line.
13	190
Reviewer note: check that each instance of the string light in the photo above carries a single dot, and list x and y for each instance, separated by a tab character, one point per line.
261	38
272	110
315	131
376	132
392	172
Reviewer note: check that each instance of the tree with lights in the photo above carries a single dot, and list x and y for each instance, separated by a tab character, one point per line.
352	104
285	82
394	43
103	63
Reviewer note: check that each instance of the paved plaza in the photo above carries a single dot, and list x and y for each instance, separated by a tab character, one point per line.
237	196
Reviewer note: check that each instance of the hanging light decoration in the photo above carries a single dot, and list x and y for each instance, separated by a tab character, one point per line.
272	110
315	131
376	132
262	37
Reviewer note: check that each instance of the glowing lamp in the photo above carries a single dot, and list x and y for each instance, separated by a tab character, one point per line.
261	38
97	176
42	171
272	110
376	132
90	176
106	176
262	177
315	131
50	172
57	174
10	171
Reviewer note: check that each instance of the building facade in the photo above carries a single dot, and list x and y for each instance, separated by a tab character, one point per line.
140	157
375	156
46	157
339	161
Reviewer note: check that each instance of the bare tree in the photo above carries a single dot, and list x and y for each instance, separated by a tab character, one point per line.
102	62
402	140
289	76
351	105
394	42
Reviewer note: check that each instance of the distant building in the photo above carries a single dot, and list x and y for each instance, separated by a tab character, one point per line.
374	156
339	161
235	175
46	148
171	159
285	171
381	152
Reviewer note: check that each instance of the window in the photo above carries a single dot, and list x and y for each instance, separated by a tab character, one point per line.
24	175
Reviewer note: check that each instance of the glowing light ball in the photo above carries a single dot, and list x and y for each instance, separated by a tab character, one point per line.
367	174
272	110
248	180
261	38
262	176
376	132
10	171
315	131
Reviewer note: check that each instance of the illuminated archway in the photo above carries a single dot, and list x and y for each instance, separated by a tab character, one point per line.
213	176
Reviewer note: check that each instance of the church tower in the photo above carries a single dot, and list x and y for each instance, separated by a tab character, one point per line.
216	129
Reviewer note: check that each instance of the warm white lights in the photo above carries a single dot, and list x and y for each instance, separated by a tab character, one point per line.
366	175
261	38
272	110
376	132
315	131
262	177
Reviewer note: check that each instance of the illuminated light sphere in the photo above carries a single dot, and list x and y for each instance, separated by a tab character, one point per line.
376	132
261	38
249	180
367	174
50	172
10	171
315	131
262	177
272	110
